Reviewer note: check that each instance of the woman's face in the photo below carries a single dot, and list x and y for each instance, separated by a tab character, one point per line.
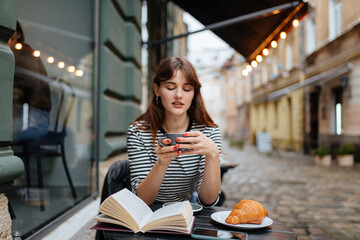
176	95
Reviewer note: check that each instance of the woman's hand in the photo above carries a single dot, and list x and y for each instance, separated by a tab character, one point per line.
199	144
167	153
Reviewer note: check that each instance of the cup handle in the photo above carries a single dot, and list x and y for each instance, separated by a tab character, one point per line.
160	143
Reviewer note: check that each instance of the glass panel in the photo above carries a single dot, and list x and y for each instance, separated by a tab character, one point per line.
53	110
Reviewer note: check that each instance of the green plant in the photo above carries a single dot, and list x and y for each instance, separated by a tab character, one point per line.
346	149
322	151
238	143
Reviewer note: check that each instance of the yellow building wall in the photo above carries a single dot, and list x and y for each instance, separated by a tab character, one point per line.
283	118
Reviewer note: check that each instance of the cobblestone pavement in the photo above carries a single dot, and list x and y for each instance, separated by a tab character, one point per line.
316	202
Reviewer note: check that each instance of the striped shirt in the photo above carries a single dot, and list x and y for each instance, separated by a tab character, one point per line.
183	175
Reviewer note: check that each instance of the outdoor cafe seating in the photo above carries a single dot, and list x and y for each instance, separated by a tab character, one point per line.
118	178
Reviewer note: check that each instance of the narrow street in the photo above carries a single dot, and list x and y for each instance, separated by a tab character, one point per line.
316	202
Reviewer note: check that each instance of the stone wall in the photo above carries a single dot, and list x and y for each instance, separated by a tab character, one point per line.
5	220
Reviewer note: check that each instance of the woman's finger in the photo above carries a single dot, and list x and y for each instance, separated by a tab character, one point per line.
165	141
166	149
188	139
192	134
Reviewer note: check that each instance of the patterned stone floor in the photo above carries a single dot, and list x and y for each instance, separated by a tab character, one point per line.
316	202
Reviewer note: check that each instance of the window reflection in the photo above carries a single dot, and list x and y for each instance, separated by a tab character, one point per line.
52	111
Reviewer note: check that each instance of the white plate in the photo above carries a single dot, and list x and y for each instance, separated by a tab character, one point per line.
196	207
221	216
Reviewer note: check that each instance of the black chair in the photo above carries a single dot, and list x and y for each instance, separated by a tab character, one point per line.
38	148
117	178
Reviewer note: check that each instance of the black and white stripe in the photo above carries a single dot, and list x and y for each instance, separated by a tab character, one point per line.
184	173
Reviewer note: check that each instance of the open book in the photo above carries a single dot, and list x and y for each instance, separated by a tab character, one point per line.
126	209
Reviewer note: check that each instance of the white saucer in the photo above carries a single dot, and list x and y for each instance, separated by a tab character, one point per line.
196	207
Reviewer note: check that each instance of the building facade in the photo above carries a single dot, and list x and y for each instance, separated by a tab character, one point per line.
275	107
305	91
333	65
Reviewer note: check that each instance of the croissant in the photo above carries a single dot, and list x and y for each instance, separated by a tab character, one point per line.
247	211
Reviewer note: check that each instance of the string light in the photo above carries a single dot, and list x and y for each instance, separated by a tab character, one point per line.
18	46
248	68
259	58
61	64
71	69
245	73
296	22
50	59
79	73
283	35
273	44
36	53
265	51
254	64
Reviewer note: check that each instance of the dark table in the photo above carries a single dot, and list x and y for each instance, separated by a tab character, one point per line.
276	231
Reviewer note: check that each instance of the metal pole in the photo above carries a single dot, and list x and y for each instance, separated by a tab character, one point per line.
229	22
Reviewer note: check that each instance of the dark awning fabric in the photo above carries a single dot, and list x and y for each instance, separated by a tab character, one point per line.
248	37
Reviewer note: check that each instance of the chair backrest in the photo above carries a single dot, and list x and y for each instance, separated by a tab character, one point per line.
117	178
68	110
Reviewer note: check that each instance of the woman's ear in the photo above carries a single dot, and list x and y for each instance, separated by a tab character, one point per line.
156	89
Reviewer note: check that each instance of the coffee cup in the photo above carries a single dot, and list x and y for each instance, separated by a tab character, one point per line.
172	137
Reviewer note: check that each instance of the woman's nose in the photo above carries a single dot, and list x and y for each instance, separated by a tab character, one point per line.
178	93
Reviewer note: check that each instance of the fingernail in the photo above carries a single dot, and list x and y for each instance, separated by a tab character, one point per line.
178	152
177	145
168	141
175	148
178	139
185	134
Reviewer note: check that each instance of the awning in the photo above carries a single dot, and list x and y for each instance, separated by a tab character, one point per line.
247	26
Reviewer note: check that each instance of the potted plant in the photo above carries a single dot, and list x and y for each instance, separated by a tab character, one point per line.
237	144
345	155
322	156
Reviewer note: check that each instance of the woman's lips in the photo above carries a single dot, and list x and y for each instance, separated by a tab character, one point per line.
178	104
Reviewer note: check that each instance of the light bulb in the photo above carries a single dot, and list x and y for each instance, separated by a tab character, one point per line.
79	73
273	44
71	69
283	35
18	46
61	65
259	58
36	53
254	64
265	51
50	59
245	73
296	23
248	68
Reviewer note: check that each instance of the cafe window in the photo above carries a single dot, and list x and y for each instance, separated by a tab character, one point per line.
52	110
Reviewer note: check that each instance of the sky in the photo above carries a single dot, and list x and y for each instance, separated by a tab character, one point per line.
205	48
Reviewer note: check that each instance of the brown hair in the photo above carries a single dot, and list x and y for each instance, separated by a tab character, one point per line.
155	114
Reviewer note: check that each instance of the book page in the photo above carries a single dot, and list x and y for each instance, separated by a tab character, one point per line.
107	219
169	210
172	217
134	205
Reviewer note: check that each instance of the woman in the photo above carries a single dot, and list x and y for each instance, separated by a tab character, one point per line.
165	173
31	88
